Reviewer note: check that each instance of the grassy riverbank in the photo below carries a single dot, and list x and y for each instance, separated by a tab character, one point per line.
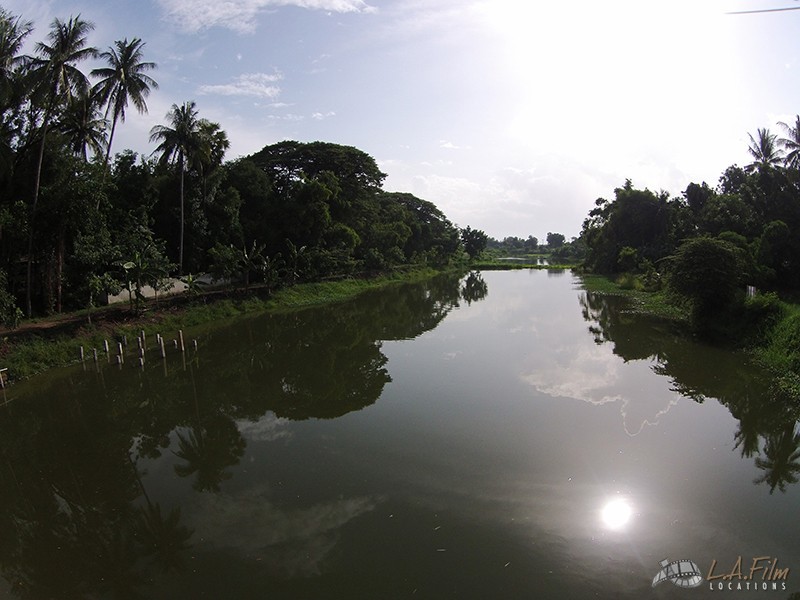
766	327
658	303
41	345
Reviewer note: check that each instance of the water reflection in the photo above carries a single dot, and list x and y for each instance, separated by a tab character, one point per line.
474	288
767	421
290	542
616	513
80	513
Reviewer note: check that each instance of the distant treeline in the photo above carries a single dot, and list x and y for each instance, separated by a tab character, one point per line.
77	223
749	217
557	246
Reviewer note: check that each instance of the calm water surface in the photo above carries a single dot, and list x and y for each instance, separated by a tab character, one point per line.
460	438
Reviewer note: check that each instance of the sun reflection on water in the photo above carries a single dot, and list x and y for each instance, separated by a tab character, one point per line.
616	513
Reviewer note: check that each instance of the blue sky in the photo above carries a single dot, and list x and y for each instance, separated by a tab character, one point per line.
512	116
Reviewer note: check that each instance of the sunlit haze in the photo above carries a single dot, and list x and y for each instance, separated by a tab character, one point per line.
511	116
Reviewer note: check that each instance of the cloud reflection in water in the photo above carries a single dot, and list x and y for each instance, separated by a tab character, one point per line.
290	542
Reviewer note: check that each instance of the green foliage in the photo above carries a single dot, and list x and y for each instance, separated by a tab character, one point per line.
225	264
474	241
71	226
784	343
513	245
706	272
193	284
637	219
627	260
10	313
146	264
629	281
555	240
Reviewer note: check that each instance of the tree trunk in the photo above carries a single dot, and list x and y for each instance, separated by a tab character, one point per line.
29	268
108	153
180	252
59	268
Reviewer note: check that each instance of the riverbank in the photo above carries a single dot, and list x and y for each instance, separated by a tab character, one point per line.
509	265
47	343
765	327
657	303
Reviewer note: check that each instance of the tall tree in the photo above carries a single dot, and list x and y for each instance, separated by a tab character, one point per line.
791	143
13	32
83	126
56	79
179	142
474	241
123	81
764	150
213	143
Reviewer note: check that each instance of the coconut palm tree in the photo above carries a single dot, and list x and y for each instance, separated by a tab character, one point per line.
781	462
179	143
13	32
791	143
123	81
764	150
84	127
56	79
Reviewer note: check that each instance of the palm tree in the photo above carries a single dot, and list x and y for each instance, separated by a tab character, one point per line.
84	127
209	448
213	145
179	143
215	142
764	150
782	463
791	143
12	35
56	79
123	81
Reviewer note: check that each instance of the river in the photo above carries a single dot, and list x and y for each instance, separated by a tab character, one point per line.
503	435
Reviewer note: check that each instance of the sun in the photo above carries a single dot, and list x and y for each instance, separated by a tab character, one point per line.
616	513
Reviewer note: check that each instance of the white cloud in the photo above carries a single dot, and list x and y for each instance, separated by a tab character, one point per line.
267	429
594	374
261	85
240	15
320	116
286	117
291	542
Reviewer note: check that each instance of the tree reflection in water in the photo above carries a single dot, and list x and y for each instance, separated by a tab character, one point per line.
767	417
474	288
76	519
208	449
781	460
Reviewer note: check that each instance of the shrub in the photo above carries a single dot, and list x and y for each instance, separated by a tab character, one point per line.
706	271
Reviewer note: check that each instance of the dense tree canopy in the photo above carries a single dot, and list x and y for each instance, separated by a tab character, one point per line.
754	209
76	223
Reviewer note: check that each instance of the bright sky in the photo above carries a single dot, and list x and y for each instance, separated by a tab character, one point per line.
512	116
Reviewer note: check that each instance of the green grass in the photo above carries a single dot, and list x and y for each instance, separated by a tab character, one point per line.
780	347
310	294
36	351
658	303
